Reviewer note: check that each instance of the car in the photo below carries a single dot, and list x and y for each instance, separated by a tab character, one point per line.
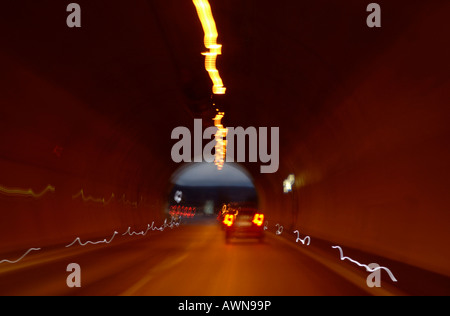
244	223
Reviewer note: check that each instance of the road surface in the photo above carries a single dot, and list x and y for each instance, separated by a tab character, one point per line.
191	260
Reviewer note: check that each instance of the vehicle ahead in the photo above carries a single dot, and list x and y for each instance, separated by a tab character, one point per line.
244	223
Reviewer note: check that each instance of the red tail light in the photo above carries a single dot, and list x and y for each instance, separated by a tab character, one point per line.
229	220
258	219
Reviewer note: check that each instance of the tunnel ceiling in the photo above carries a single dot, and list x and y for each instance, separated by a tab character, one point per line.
139	66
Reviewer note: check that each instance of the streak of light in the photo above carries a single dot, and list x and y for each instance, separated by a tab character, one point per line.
183	211
368	269
143	233
178	196
152	227
92	199
26	193
221	144
209	26
20	259
303	241
105	241
128	202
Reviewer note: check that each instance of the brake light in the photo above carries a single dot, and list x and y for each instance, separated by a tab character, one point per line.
258	219
229	220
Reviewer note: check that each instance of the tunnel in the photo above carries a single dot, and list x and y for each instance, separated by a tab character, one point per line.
88	114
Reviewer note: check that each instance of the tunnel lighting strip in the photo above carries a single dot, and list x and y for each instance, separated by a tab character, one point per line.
128	202
20	259
368	269
209	27
221	144
25	193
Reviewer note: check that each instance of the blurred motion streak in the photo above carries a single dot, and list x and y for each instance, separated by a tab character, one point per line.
303	241
127	202
152	227
143	233
368	269
209	26
26	193
221	144
183	211
92	199
20	259
78	239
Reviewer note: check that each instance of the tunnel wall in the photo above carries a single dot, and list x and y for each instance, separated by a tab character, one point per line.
372	171
53	146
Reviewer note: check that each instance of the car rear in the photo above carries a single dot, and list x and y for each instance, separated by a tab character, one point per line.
244	223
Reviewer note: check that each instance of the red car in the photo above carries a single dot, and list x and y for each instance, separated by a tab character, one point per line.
244	223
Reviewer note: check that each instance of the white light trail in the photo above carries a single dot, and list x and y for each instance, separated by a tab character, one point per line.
25	193
303	241
78	239
368	269
20	259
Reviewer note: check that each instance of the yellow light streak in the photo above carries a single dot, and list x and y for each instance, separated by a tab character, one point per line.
221	144
26	193
92	199
209	27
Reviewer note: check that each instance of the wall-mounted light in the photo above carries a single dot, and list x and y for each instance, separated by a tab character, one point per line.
288	183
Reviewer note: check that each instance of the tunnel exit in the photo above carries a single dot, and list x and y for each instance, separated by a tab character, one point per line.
201	186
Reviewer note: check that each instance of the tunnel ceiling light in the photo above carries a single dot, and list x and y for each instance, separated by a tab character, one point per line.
209	27
20	259
221	143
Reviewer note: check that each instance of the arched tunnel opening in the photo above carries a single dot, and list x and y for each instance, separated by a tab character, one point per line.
201	190
345	152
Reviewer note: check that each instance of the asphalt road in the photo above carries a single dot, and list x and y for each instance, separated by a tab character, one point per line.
191	260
